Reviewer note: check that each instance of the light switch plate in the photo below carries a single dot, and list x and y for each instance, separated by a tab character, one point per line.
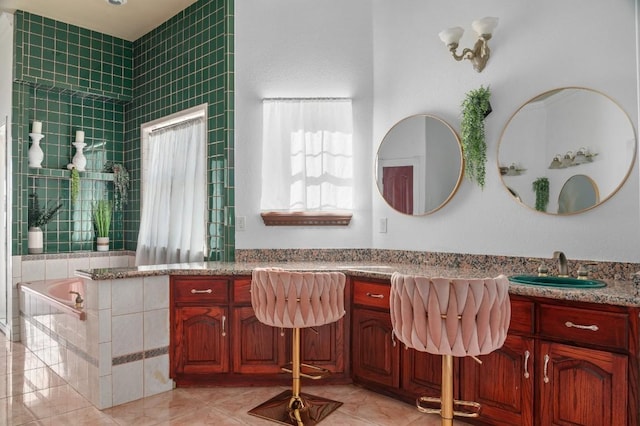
383	225
241	223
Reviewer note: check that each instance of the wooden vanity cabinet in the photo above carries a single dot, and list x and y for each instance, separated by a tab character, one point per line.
504	382
563	363
378	360
216	338
200	320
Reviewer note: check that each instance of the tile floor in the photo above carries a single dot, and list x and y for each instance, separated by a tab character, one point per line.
32	394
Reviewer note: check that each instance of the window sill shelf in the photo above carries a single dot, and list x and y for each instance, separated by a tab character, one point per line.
306	218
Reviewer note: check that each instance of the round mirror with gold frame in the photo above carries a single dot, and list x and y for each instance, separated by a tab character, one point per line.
563	133
419	165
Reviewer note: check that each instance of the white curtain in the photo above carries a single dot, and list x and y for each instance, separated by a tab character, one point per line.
307	155
173	217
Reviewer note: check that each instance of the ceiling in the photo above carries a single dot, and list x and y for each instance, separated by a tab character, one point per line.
129	21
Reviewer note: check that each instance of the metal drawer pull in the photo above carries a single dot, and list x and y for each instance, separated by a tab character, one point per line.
581	327
546	363
393	339
527	354
224	320
375	295
194	291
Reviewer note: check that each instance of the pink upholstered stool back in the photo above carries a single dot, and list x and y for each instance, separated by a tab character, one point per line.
297	299
444	316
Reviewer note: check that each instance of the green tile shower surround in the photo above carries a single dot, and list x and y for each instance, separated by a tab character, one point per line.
71	78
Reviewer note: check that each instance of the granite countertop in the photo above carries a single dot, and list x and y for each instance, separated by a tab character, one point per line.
617	292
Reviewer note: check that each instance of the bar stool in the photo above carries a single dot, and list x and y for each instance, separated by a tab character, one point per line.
450	317
297	300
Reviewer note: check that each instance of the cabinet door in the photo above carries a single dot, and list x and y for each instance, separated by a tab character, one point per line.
503	384
421	372
257	347
201	340
581	386
324	346
375	352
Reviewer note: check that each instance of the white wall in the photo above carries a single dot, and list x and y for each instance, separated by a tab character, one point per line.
301	48
537	46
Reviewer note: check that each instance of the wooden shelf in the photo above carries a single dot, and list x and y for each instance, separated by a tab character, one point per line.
66	174
306	218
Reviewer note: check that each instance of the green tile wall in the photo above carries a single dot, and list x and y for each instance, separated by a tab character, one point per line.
67	57
186	62
61	79
71	78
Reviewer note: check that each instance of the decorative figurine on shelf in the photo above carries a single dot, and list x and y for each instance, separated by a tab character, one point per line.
36	155
79	160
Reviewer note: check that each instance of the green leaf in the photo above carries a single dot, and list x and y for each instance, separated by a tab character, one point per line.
475	108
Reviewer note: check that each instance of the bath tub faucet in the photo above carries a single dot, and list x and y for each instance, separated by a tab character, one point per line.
563	270
79	299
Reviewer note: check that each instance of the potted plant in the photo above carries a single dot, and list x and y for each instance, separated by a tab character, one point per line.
102	222
475	108
541	188
38	218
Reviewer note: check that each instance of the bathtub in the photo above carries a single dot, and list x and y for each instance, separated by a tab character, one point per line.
57	293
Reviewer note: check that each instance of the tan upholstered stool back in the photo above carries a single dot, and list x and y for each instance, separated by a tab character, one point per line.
444	316
297	299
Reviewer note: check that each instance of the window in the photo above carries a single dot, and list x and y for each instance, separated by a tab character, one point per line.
307	161
173	216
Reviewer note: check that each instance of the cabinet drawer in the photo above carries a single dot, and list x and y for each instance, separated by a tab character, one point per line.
196	290
242	290
584	326
521	316
371	294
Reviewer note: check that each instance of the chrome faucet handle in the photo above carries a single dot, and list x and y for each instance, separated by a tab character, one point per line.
584	270
543	270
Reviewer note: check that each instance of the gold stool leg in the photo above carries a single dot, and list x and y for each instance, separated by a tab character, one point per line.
292	407
296	404
447	391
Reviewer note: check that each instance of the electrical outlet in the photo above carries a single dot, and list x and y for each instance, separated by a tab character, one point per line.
241	223
383	225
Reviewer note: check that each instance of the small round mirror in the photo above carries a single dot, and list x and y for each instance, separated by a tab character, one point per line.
579	139
419	165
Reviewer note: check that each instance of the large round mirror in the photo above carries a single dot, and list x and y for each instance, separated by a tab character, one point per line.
419	165
578	139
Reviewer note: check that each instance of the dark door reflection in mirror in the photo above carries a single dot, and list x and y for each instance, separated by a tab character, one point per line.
560	123
419	165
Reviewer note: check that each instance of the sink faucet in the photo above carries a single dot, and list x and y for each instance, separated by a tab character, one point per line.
563	270
79	299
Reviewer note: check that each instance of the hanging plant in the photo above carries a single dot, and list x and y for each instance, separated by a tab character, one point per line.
75	184
541	188
475	108
120	184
